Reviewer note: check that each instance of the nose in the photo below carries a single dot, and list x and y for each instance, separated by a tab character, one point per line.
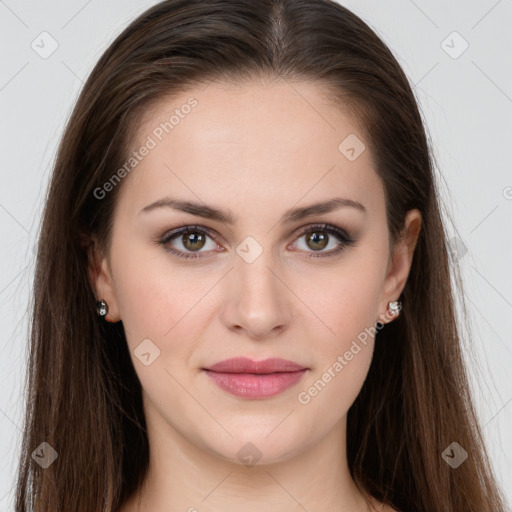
258	303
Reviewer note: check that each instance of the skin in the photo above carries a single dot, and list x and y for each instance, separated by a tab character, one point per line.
255	150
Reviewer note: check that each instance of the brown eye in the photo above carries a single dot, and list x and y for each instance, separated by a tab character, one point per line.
193	240
190	244
317	241
321	236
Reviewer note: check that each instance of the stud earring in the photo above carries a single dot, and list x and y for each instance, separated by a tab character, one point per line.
394	307
102	308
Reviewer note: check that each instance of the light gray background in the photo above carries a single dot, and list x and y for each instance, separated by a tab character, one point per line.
467	106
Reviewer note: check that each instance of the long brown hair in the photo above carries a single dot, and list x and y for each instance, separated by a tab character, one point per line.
84	397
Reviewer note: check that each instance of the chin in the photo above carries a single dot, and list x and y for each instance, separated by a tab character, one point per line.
255	446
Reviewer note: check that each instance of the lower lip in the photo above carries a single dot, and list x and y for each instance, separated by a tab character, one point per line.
251	385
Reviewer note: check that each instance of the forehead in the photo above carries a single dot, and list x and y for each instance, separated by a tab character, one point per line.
255	142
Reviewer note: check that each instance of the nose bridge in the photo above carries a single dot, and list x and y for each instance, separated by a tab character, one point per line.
257	303
253	270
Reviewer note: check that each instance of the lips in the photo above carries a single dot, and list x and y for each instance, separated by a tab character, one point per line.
246	378
245	365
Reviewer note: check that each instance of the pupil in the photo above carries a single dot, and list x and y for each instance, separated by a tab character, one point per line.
193	238
316	238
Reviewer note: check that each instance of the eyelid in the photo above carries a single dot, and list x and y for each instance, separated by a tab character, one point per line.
168	236
345	239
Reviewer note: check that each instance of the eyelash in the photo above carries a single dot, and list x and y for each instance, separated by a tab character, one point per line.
346	240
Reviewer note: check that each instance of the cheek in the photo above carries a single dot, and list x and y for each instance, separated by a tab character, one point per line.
348	307
342	360
154	302
348	303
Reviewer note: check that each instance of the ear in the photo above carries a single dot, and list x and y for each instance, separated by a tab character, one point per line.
100	278
401	261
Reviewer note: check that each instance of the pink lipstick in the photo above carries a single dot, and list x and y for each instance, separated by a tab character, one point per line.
244	377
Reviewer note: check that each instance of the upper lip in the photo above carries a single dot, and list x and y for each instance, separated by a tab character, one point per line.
246	365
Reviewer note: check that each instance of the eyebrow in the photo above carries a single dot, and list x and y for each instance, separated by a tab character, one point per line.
292	215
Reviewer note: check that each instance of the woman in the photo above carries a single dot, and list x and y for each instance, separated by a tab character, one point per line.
242	296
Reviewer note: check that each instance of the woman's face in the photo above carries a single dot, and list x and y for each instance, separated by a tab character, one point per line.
245	165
